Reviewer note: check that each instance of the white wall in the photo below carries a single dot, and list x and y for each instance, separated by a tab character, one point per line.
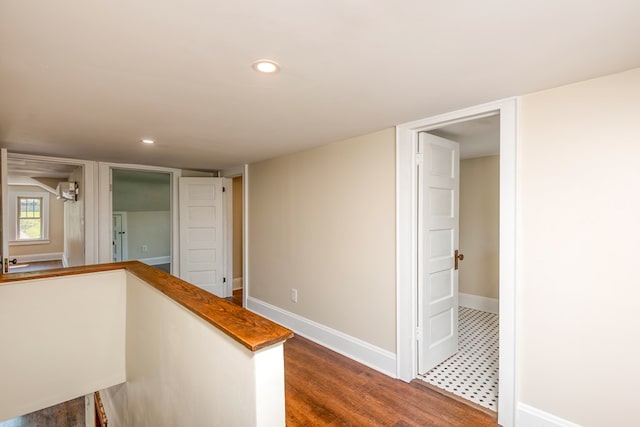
480	226
578	242
183	371
151	229
322	221
61	338
74	224
140	190
66	337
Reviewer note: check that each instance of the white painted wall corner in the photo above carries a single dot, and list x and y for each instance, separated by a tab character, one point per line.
370	355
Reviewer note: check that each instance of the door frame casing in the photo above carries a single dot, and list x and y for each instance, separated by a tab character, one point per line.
105	210
242	171
407	254
4	214
89	172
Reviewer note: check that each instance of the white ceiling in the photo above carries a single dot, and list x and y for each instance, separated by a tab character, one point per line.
18	168
88	78
477	138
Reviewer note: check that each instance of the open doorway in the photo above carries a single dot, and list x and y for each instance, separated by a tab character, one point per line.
470	372
407	245
238	288
141	217
46	225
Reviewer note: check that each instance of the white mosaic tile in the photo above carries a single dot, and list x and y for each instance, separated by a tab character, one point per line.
472	373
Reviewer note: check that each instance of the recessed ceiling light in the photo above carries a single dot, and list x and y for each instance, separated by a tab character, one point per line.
147	141
266	66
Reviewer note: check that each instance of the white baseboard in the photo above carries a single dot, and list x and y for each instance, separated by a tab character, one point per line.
53	256
529	416
374	357
237	283
491	305
157	260
65	261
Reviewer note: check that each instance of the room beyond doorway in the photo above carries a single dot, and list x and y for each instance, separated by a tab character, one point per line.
141	213
470	369
65	223
237	236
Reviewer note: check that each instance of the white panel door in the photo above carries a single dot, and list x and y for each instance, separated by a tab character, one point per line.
202	234
438	183
118	239
4	211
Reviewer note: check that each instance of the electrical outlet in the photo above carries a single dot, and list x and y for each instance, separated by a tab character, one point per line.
294	295
145	248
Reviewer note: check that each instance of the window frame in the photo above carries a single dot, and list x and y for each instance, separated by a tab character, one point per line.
24	216
14	230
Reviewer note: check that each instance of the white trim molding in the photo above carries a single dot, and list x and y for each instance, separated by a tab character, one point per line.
245	234
491	305
89	190
406	246
232	172
105	209
156	260
528	416
52	256
368	354
228	232
237	283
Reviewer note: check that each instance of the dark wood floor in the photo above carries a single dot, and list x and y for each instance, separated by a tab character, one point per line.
68	414
325	388
236	298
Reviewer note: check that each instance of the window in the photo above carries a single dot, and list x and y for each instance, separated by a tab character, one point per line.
30	218
29	214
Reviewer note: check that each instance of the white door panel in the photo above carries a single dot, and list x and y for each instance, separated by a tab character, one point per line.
438	183
117	238
202	234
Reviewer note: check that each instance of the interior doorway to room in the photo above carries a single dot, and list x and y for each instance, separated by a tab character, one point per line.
406	248
238	287
458	213
141	217
46	213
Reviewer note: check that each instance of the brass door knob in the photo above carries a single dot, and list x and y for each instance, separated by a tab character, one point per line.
457	257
